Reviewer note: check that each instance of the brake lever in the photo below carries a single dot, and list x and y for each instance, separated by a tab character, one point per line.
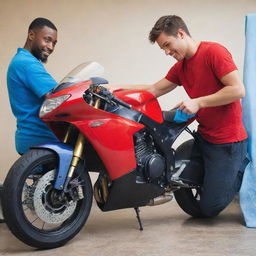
111	98
97	90
107	99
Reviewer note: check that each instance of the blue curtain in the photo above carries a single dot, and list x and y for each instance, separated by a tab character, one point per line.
248	188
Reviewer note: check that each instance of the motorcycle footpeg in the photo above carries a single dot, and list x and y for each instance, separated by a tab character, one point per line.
140	180
179	168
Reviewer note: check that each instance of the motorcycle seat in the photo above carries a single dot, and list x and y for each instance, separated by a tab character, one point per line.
169	115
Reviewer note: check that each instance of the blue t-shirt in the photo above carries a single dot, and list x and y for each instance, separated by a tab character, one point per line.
28	82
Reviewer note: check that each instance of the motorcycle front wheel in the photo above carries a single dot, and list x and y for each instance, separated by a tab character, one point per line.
37	213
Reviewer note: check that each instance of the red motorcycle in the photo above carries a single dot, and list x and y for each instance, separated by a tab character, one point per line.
123	136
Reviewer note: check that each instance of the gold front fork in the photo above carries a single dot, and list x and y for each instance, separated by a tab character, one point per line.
67	135
78	150
97	103
77	155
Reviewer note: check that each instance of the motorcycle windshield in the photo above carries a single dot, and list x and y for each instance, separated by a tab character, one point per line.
82	72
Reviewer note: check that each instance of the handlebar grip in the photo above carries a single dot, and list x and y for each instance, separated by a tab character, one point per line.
122	103
106	95
101	90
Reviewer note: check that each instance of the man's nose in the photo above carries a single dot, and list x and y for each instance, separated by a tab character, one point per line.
167	51
50	46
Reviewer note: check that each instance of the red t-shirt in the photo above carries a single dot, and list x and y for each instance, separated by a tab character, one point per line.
200	76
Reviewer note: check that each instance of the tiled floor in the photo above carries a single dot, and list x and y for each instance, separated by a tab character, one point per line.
167	231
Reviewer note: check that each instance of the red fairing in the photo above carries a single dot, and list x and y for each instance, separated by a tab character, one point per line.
114	146
113	139
142	101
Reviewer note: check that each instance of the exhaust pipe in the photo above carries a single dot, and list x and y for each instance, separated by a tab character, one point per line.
166	197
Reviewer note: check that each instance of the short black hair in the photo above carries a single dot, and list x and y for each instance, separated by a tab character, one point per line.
169	24
40	23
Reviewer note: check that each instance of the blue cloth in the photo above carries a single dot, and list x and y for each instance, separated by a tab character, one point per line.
248	188
28	82
181	117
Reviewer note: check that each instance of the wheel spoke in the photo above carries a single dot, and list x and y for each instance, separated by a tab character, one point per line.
35	220
41	209
197	194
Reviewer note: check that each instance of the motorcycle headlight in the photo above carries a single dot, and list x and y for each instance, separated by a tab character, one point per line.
52	103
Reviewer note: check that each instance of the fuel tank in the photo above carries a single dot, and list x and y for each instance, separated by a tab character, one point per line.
142	101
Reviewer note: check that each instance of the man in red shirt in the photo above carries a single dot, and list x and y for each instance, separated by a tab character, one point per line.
207	72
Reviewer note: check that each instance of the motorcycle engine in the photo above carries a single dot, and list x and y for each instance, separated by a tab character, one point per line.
151	165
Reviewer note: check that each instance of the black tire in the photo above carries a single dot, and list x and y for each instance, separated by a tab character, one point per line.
30	168
188	198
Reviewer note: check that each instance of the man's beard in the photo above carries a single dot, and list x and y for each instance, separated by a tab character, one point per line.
38	53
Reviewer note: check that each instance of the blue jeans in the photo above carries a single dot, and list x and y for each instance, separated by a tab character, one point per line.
223	173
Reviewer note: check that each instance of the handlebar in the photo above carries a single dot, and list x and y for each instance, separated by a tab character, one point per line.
104	94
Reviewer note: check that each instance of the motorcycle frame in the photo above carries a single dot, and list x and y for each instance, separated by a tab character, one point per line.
94	126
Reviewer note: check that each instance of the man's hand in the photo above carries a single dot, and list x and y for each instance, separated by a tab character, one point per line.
189	106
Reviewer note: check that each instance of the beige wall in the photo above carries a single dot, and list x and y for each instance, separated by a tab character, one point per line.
114	33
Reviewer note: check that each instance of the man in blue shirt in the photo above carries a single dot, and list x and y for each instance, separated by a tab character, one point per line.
28	82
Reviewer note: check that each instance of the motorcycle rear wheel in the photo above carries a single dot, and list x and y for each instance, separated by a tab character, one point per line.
35	212
188	198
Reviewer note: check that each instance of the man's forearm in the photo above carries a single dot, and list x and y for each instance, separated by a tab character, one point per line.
224	96
161	87
128	87
158	89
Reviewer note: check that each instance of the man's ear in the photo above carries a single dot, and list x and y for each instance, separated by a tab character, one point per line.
31	35
181	33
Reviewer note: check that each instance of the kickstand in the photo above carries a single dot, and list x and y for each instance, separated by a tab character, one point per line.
137	210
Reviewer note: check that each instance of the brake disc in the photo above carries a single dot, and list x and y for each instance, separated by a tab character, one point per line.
43	208
28	191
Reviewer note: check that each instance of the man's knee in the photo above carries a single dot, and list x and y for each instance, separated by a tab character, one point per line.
211	208
213	203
